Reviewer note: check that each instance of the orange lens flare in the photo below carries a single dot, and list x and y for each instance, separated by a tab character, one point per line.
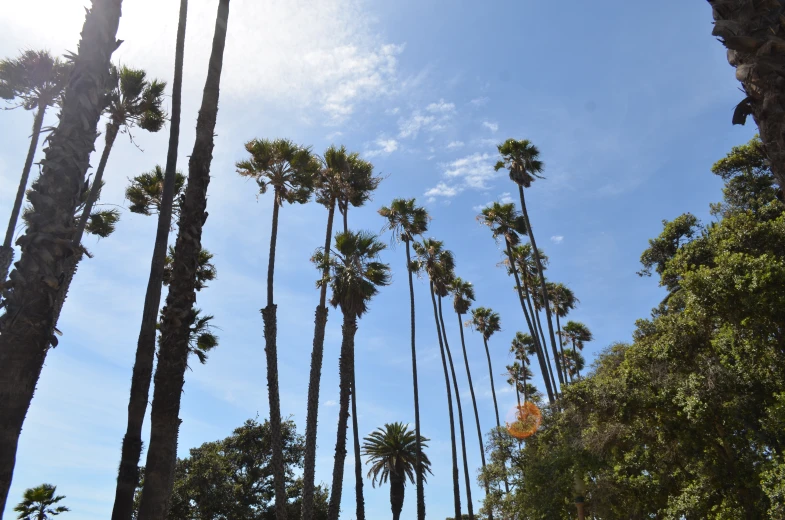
524	420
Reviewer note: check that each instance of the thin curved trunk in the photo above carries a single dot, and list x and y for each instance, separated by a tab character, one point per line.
128	473
7	250
493	393
547	356
345	390
532	329
540	270
27	324
397	490
517	393
271	356
561	346
314	381
467	478
575	359
455	480
474	403
418	456
178	313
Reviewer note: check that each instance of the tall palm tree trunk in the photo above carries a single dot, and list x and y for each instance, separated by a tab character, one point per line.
128	472
345	390
178	313
397	490
455	479
7	250
493	393
271	355
540	270
532	329
474	402
752	33
467	478
418	455
314	381
561	346
544	344
27	324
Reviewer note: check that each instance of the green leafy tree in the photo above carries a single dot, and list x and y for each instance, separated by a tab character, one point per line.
178	315
34	81
39	503
29	295
392	452
406	221
356	273
290	171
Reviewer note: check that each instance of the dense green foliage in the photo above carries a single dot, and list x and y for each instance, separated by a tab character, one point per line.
688	420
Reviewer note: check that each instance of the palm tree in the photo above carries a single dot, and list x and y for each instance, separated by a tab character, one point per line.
752	32
356	276
577	334
563	300
395	454
522	347
28	297
507	223
328	185
487	323
178	315
515	378
38	502
522	160
290	171
34	81
406	220
146	192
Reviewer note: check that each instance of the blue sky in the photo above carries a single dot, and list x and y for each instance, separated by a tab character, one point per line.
629	103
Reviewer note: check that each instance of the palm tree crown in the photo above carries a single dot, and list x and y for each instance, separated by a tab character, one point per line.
35	78
562	298
521	158
392	450
286	167
146	189
37	503
437	262
486	322
463	295
134	101
405	219
577	333
328	183
522	347
505	222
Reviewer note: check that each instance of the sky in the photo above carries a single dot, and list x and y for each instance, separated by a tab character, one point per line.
629	102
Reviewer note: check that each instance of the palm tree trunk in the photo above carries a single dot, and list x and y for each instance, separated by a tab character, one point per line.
493	388
27	324
561	346
540	357
7	250
178	313
358	464
544	345
271	355
418	455
128	473
540	270
467	478
455	480
517	393
752	32
317	356
345	390
474	403
397	490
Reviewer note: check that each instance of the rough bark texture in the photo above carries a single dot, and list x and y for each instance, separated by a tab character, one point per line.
418	456
27	325
314	381
467	478
474	402
345	384
178	313
753	31
455	479
358	463
7	249
128	472
397	490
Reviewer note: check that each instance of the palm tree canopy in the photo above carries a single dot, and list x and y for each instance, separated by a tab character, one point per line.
35	77
146	189
523	255
135	101
201	338
358	182
328	183
288	168
521	159
486	322
205	270
438	263
522	347
356	272
562	298
38	500
392	450
405	219
463	295
577	332
505	222
574	361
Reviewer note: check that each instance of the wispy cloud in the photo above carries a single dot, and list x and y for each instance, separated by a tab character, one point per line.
442	190
504	198
437	117
493	127
384	147
330	402
480	101
441	107
557	239
411	126
455	144
470	172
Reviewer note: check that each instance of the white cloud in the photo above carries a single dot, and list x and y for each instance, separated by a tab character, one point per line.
480	101
411	127
493	127
474	170
331	402
504	198
442	190
392	111
455	144
557	239
441	107
385	147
